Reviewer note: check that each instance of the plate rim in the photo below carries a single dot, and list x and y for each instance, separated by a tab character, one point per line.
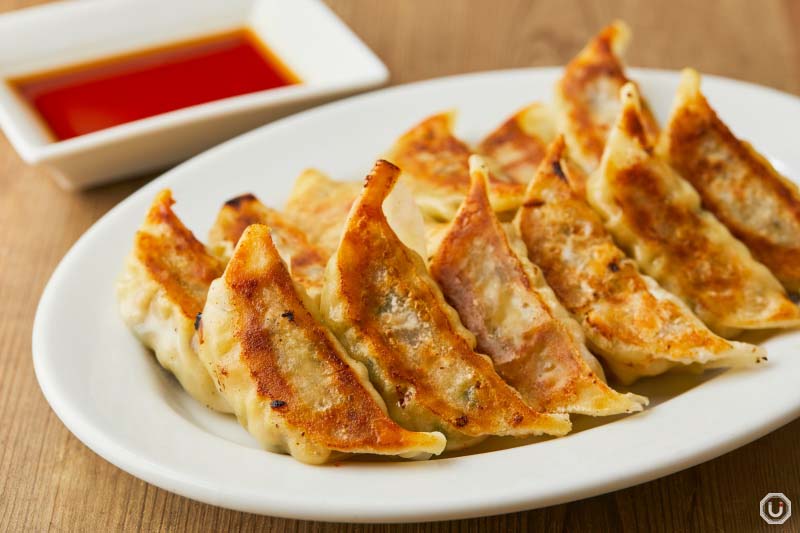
177	482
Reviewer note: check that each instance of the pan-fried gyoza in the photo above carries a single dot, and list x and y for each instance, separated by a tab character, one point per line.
161	292
387	311
435	167
638	328
656	216
520	142
736	183
306	261
290	383
504	300
587	96
318	205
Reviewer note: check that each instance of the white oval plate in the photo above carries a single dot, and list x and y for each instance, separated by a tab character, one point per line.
112	395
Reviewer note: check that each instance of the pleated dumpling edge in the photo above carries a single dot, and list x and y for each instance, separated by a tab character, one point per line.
161	290
536	346
389	314
289	381
657	217
740	186
637	327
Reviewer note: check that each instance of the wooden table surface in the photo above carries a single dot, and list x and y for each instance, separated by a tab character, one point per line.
50	481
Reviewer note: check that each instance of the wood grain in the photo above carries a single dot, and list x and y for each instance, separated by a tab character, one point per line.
50	481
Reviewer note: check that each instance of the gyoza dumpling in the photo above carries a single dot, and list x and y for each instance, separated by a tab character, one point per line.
520	142
635	325
504	300
289	381
656	216
587	96
306	261
736	183
319	206
161	292
435	167
389	314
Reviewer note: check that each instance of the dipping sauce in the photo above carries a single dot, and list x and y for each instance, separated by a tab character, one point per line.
93	96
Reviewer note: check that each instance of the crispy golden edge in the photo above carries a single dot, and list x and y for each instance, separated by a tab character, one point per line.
692	121
356	426
234	217
552	185
496	408
476	225
174	258
306	261
702	272
614	280
161	292
514	147
437	163
319	206
599	59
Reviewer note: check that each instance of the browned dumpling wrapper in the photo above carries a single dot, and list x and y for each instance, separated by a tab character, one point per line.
637	327
536	346
519	144
435	166
306	261
289	381
587	96
319	205
161	292
389	314
736	183
657	217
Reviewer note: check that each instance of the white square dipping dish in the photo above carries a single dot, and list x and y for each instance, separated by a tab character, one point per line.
327	57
